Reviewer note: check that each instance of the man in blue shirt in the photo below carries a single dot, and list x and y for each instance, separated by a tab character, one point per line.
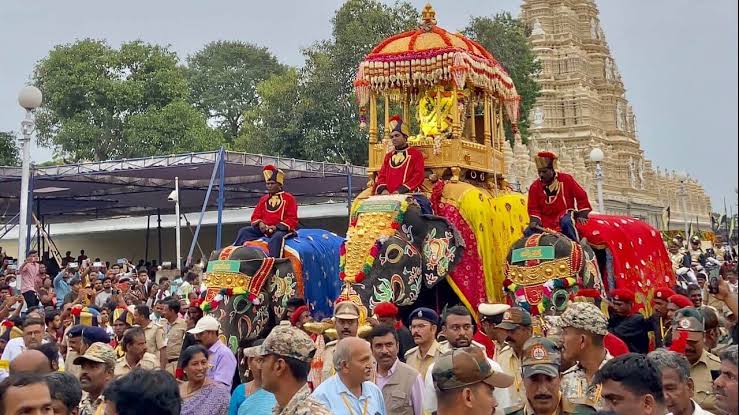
349	391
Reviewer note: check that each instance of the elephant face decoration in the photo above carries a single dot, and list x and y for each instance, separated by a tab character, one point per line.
393	252
247	291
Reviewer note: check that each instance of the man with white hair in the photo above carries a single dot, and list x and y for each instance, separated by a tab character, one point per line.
677	385
350	391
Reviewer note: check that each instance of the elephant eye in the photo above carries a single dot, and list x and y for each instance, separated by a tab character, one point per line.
393	253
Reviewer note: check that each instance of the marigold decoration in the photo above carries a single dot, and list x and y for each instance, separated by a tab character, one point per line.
512	107
548	290
228	292
459	70
361	88
374	249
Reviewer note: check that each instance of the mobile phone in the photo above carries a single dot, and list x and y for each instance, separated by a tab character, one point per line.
97	264
713	277
73	265
121	261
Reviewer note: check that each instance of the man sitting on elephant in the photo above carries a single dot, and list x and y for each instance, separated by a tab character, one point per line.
556	200
402	169
276	215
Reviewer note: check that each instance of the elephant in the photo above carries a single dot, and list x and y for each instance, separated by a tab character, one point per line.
395	253
543	270
248	291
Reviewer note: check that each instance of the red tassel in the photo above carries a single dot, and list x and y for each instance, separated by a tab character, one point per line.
678	345
360	276
395	225
342	275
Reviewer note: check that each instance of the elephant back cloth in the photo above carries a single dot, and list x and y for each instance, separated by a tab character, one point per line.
636	257
489	224
314	255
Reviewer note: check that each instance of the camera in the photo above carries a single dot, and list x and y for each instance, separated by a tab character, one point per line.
172	196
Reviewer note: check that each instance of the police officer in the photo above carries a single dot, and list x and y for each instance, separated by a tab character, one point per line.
540	371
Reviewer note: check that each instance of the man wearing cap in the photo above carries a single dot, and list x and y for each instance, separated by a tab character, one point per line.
540	370
488	334
275	216
466	383
286	356
689	324
584	328
458	329
97	365
658	320
517	325
122	321
402	169
346	321
697	255
424	325
629	326
222	360
387	313
556	200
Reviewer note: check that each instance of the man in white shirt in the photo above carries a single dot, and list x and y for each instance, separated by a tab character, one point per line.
677	386
33	336
458	330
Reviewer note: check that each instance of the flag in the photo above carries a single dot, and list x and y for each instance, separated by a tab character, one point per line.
714	227
732	226
666	219
690	231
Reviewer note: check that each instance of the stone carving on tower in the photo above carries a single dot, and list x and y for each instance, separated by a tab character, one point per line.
583	105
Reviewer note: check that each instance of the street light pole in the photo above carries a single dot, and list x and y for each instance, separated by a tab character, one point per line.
596	155
177	212
683	197
29	98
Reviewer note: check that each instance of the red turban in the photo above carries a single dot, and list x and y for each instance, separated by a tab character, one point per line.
296	314
386	309
663	293
586	293
545	159
622	294
680	301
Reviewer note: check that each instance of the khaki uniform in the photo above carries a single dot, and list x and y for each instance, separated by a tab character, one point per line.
302	404
328	361
576	387
175	334
149	362
154	338
414	359
511	365
700	372
565	407
96	407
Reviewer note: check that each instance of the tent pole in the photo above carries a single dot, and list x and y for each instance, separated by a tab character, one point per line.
29	211
148	227
202	210
221	193
39	246
349	195
159	232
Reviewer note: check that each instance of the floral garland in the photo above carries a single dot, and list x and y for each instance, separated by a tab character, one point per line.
549	288
218	299
374	251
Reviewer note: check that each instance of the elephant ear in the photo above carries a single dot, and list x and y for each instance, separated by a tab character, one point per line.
442	248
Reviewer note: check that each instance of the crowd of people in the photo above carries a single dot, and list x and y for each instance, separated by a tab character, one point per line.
97	338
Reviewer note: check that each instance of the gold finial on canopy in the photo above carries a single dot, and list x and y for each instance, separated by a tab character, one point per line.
428	15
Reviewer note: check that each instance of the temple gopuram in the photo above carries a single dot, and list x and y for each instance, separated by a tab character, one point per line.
582	106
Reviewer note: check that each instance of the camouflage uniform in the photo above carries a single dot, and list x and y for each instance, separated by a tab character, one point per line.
575	385
99	353
291	342
541	356
302	404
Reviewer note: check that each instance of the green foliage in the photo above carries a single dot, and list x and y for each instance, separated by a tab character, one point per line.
8	149
320	121
224	76
93	93
506	38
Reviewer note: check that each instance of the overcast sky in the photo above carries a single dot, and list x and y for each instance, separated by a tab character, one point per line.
678	58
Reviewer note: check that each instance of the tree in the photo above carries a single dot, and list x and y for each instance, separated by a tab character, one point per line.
506	38
93	93
8	149
276	125
324	123
224	76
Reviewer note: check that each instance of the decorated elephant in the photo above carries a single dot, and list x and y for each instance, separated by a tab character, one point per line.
543	270
395	253
248	291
